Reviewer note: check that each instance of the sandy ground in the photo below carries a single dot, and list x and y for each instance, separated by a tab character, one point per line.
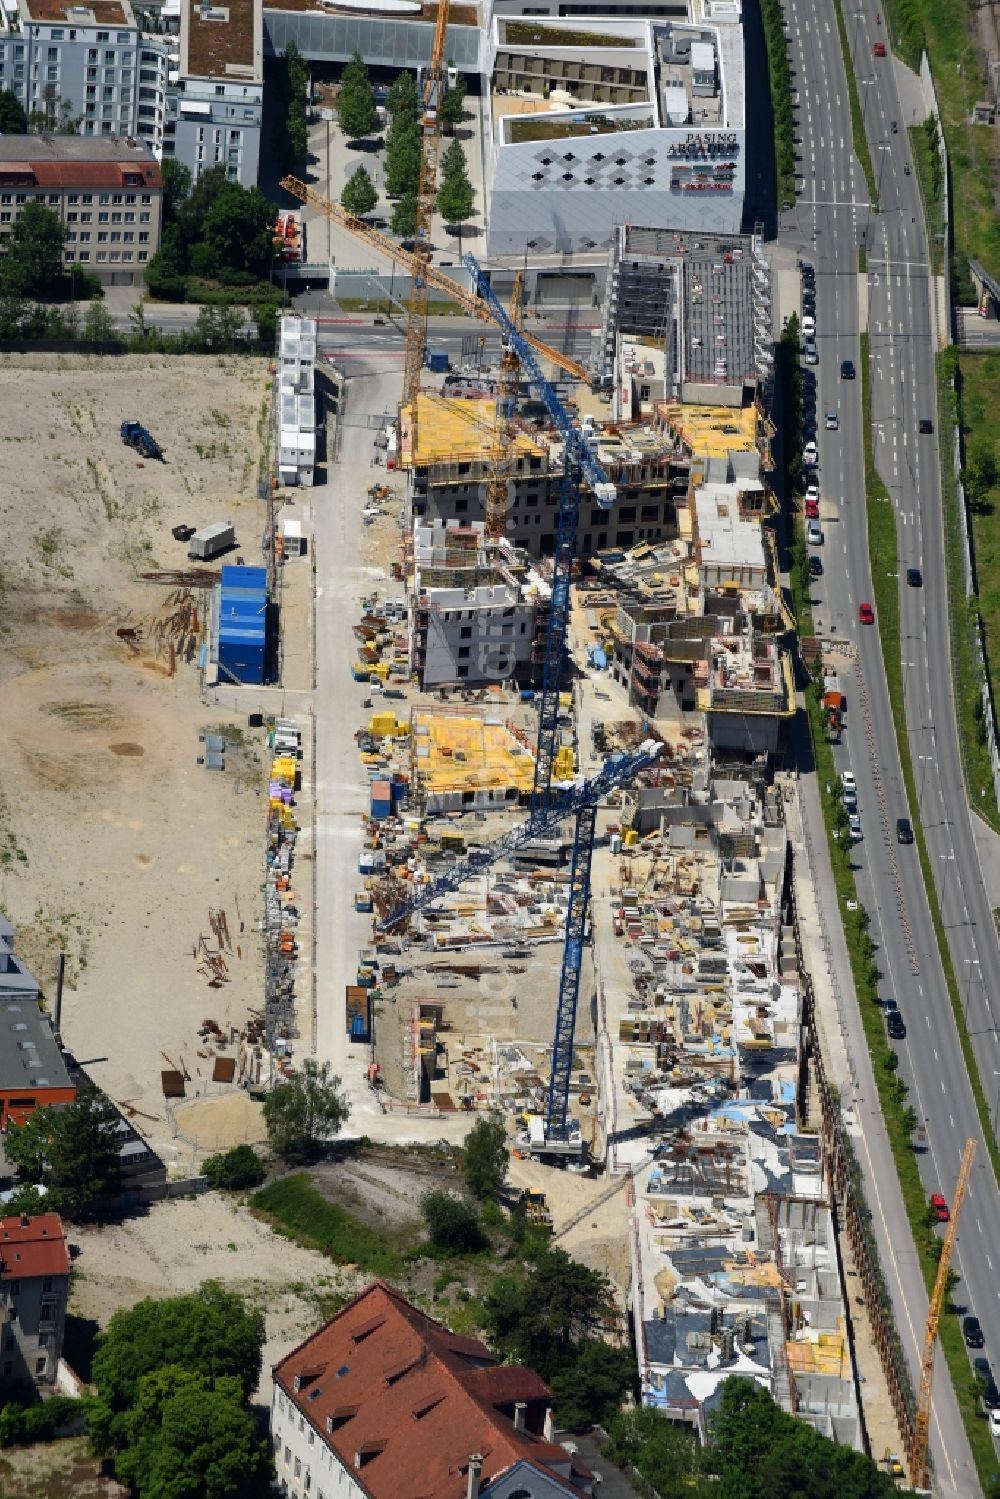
114	843
178	1245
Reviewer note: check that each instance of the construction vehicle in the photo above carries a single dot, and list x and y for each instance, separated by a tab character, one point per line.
919	1467
135	435
536	1208
833	709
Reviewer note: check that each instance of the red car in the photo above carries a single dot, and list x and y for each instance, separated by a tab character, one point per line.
866	614
878	50
812	509
939	1207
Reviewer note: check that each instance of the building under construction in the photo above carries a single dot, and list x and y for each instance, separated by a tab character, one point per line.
704	300
478	609
447	476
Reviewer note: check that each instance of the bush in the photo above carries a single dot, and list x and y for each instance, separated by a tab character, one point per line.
234	1170
23	1424
452	1223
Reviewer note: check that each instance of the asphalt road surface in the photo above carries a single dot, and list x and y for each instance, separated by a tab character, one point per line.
828	223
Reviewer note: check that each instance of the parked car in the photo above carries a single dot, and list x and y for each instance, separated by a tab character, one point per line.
904	832
866	614
849	781
847	369
895	1026
812	509
808	325
939	1207
914	577
812	493
810	455
812	356
850	798
814	533
815	566
854	826
972	1332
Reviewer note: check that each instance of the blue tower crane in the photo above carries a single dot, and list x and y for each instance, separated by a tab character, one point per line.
549	804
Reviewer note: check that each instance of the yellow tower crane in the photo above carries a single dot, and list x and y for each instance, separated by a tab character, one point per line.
504	455
415	264
919	1472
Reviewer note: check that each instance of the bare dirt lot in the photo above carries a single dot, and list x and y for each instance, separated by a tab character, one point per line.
178	1245
114	843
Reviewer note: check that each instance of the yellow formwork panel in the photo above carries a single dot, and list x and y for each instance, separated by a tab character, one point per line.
451	429
463	750
712	431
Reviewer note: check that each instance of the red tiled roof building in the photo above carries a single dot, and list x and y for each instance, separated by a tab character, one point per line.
384	1401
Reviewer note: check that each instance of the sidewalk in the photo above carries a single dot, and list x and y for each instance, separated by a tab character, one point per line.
849	1062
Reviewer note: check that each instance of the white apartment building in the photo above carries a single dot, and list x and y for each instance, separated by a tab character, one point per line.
73	62
215	96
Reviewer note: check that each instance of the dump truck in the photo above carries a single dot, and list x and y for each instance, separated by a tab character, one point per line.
135	435
833	709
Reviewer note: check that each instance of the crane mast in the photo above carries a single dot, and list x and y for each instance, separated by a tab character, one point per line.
431	98
503	458
919	1472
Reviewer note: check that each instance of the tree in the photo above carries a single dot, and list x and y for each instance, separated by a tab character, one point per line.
305	1111
298	103
456	199
13	120
402	157
189	1436
359	196
539	1320
33	257
452	1223
166	274
207	1332
97	325
176	188
234	1170
666	1453
237	230
72	1148
403	98
453	106
218	327
404	217
590	1391
485	1157
759	1451
356	100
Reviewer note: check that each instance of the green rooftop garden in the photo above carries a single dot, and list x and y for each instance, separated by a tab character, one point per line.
531	34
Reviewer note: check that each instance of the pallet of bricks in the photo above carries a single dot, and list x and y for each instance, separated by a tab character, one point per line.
281	914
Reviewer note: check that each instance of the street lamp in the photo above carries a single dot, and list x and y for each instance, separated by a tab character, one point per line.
948	859
970	963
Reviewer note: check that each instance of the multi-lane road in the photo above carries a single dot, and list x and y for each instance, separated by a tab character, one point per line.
829	222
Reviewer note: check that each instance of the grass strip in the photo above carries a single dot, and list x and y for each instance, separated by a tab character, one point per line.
949	33
294	1208
924	141
885	582
780	77
963	608
861	150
